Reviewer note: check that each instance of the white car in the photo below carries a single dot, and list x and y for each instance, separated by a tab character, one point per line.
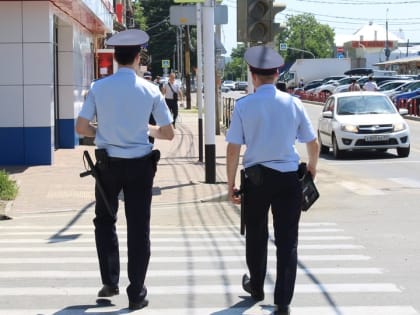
362	121
228	85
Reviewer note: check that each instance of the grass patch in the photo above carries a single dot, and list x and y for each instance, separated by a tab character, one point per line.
8	187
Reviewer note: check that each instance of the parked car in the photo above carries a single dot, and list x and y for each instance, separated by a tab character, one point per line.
405	96
407	87
241	85
359	71
362	121
310	85
330	86
228	85
378	80
389	85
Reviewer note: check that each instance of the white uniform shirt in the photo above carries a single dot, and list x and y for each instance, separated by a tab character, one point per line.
269	122
370	86
168	92
122	104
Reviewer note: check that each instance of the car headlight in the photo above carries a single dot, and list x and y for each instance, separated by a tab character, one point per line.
349	128
400	126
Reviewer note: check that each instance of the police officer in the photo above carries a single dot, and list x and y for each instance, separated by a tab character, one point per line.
268	123
122	104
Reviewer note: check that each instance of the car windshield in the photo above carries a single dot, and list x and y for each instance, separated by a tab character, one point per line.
363	105
410	86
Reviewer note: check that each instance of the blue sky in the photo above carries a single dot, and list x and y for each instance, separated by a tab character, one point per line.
344	16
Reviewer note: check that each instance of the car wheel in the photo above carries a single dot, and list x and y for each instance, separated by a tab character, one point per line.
403	152
324	149
336	151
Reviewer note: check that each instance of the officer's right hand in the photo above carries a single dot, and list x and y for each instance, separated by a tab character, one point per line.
234	196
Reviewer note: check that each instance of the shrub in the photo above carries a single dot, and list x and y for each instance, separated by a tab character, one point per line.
8	187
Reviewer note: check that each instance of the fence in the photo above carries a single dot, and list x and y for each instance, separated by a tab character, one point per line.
412	105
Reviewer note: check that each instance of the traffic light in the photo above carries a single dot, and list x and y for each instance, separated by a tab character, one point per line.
259	20
255	20
276	27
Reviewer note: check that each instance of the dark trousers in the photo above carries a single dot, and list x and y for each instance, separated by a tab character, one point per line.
135	178
173	107
281	191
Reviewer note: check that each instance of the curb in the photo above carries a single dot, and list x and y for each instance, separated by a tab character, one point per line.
3	213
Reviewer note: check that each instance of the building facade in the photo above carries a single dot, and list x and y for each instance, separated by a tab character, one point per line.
47	63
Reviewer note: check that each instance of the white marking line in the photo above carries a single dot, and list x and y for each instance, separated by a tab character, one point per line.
204	289
361	189
154	240
52	248
154	234
64	274
174	259
226	310
374	162
406	182
153	227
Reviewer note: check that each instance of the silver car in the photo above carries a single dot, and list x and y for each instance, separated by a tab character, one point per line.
362	121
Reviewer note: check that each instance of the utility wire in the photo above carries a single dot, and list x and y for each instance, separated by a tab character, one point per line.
353	2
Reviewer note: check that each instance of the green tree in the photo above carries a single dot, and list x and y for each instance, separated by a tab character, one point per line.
306	35
236	68
153	17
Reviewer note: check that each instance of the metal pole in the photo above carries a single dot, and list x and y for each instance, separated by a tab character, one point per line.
387	52
199	76
209	88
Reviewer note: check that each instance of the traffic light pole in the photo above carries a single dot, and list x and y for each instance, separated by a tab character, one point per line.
199	76
209	88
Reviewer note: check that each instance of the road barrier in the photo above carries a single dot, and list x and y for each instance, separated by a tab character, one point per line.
412	105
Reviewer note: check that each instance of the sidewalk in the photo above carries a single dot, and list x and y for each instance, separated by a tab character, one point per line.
180	177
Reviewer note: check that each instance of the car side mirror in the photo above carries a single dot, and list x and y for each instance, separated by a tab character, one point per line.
327	114
403	111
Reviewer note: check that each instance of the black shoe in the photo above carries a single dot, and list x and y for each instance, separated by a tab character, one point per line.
137	305
246	285
108	291
282	310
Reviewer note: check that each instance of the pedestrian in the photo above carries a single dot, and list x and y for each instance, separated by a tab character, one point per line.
301	83
125	161
158	83
148	76
354	86
268	123
173	93
370	85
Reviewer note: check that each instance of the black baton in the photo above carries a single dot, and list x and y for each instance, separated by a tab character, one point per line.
241	192
93	171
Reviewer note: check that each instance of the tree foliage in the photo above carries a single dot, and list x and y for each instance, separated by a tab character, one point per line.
152	16
236	69
303	32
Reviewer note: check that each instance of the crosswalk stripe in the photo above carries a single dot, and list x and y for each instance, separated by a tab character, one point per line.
255	310
155	233
323	238
406	182
172	259
153	227
195	248
76	239
205	289
62	274
361	189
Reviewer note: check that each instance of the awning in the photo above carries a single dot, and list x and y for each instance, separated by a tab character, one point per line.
400	61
